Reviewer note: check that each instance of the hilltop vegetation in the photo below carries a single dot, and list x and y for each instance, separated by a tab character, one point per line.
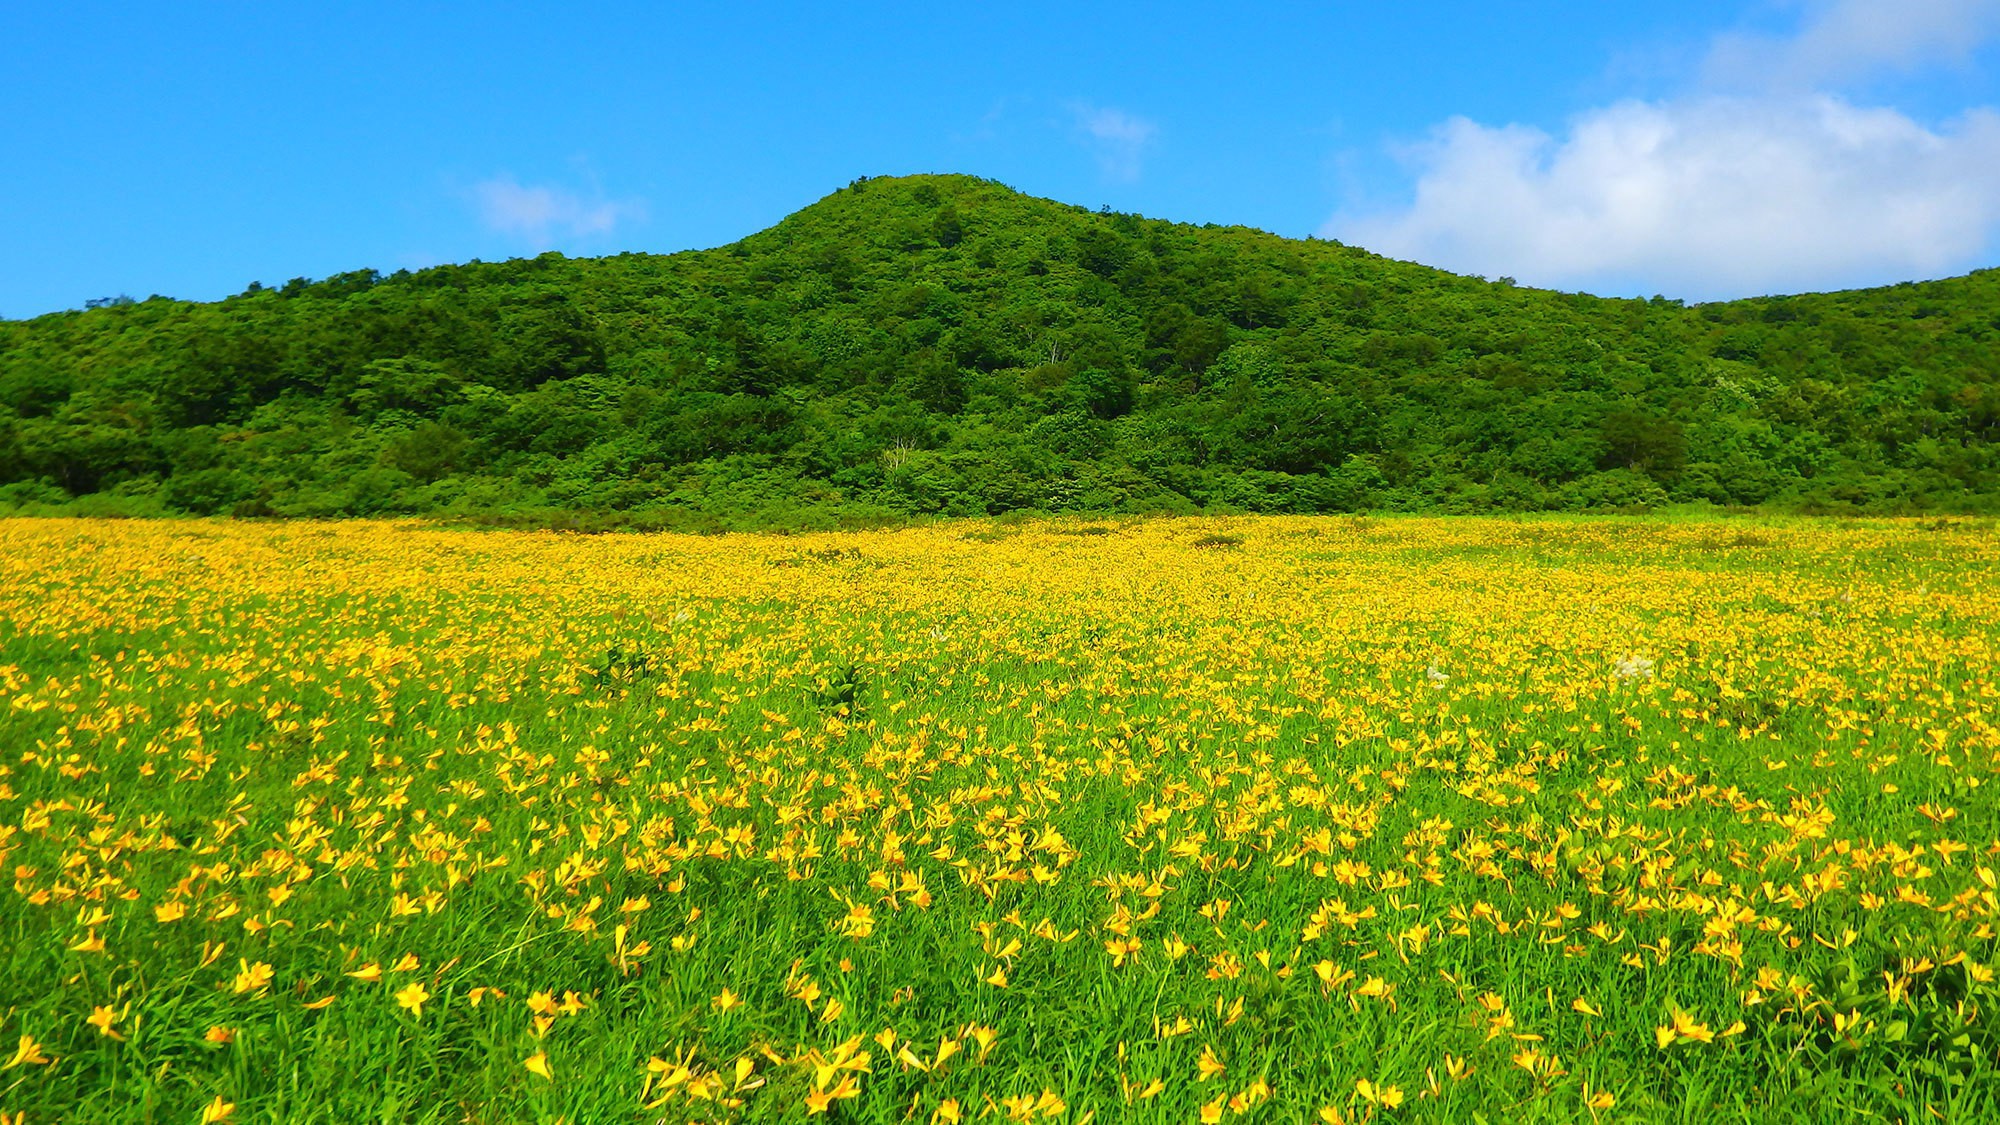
945	345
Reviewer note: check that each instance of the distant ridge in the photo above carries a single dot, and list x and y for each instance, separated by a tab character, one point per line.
944	345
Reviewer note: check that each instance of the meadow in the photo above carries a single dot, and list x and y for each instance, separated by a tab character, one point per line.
1195	820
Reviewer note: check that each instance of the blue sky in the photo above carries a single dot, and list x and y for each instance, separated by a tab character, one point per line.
1701	149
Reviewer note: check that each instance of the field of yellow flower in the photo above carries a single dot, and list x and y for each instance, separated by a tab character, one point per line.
1313	819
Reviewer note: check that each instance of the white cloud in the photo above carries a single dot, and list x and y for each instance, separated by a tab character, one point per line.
540	214
1841	41
1742	186
1702	198
1118	139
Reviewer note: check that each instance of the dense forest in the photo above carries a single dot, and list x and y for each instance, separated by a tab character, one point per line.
942	344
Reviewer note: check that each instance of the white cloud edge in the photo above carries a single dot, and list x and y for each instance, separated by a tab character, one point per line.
542	214
1842	41
1117	139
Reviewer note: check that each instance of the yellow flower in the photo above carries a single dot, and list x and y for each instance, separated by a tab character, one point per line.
860	921
538	1063
1540	1065
219	1035
101	1018
1208	1064
1389	1097
1686	1028
251	978
724	1001
412	997
1375	988
29	1052
985	1037
371	972
217	1110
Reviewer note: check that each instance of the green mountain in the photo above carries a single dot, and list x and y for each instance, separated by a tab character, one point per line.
941	344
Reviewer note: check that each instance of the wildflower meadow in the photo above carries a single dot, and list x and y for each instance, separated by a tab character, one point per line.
1183	820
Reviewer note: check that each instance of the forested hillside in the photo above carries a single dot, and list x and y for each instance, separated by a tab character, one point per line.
942	344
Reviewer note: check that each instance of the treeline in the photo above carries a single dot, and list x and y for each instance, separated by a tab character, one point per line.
941	344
